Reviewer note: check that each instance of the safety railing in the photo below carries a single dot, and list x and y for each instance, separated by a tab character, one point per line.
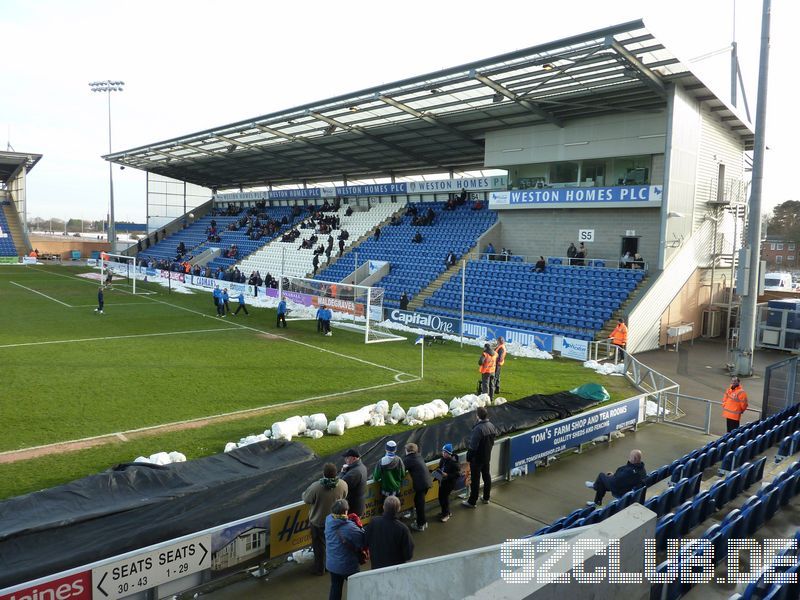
697	413
603	263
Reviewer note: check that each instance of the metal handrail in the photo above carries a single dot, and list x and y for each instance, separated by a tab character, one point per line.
608	263
708	402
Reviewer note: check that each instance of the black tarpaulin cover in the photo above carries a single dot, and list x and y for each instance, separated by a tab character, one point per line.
135	505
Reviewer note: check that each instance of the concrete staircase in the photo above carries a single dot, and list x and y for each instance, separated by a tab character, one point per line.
434	285
15	229
623	309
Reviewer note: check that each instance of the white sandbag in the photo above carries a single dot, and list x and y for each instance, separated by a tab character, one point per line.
298	423
314	434
254	439
282	430
177	457
484	400
377	420
439	408
336	427
301	557
456	403
142	459
398	414
160	458
318	421
230	446
267	433
354	418
499	400
470	398
382	407
390	420
307	421
412	422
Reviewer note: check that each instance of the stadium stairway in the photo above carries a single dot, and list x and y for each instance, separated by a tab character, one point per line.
419	299
15	244
623	309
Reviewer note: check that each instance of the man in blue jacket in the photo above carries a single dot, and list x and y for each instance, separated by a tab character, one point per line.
327	315
282	312
241	305
217	294
628	477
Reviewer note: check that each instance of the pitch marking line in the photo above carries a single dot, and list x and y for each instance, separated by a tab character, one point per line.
40	293
9	456
118	337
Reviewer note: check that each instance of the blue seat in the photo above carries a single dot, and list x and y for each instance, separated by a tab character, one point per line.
690	467
728	463
757	472
677	474
753	513
702	506
771	499
681	518
784	449
664	528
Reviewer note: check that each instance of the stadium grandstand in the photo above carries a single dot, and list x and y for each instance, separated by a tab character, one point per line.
14	169
541	196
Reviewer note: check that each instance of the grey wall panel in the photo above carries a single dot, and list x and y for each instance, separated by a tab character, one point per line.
549	232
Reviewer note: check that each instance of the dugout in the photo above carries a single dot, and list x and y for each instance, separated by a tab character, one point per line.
605	138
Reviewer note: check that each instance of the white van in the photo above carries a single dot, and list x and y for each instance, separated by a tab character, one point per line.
778	282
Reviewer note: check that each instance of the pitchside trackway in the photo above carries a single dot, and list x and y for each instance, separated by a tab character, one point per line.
151	360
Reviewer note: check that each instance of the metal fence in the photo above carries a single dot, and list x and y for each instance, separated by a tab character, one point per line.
781	387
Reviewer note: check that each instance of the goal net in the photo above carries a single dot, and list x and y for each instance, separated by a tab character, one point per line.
118	270
355	307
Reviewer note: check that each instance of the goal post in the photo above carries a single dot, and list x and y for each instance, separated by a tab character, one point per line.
357	307
118	265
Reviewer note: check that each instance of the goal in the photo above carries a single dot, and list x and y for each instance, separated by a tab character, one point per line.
122	269
357	307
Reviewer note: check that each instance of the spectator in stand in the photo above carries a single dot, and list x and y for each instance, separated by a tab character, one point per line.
354	473
489	251
321	495
583	253
319	319
388	539
390	471
638	261
396	220
479	456
349	211
341	247
629	476
241	305
421	481
377	233
281	312
404	301
412	210
571	252
450	261
429	216
478	205
540	265
451	204
625	261
315	263
417	239
462	197
447	474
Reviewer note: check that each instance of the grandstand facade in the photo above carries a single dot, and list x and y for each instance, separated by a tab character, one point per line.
604	140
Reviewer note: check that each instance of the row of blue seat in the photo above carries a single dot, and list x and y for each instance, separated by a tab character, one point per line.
738	524
7	246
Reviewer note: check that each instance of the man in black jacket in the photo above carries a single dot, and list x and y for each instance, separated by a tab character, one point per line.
447	473
388	539
421	480
628	477
479	456
354	473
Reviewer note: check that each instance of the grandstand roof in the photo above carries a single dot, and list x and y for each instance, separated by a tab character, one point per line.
438	121
12	162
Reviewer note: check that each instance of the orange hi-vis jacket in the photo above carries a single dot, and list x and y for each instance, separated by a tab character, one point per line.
734	403
488	363
619	336
501	358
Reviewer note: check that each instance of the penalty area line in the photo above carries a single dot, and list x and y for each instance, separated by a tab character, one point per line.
40	293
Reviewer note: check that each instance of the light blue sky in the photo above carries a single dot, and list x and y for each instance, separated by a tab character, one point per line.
194	64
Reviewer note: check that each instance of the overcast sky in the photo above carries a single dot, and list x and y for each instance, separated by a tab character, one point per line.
195	64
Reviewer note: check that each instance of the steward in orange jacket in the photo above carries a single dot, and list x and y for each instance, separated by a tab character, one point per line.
734	404
619	337
486	366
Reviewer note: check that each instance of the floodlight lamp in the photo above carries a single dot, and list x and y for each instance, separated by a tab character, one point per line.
548	67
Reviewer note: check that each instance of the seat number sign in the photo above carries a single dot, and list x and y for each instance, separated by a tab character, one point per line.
147	570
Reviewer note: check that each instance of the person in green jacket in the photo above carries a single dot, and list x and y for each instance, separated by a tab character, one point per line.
390	471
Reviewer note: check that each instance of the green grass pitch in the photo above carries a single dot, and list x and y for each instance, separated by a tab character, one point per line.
164	358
